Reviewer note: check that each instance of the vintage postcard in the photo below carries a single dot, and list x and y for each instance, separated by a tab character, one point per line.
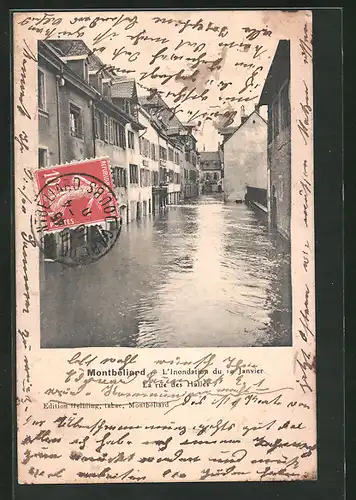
165	313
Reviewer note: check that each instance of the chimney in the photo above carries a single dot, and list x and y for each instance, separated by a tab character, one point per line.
243	114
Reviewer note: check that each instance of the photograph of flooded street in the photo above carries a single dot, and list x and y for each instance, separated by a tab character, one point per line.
203	257
200	274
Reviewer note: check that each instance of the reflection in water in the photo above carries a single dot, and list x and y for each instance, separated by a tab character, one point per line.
203	274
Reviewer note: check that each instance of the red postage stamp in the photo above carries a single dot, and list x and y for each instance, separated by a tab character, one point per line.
76	193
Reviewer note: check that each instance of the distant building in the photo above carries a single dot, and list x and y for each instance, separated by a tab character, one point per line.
276	95
178	153
245	160
211	172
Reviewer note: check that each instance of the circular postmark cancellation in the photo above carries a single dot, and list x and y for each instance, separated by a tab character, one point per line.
76	218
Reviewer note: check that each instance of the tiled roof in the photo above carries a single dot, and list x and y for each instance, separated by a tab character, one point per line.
227	130
68	48
124	89
95	63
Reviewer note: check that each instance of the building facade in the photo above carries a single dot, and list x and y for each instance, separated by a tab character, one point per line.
211	171
87	111
245	161
178	152
276	95
190	179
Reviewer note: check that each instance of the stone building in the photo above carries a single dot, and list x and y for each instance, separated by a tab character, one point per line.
211	171
178	152
245	160
82	115
276	95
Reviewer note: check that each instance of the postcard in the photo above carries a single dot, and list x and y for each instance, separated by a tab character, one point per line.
164	220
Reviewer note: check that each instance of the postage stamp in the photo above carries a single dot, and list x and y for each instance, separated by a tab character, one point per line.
76	217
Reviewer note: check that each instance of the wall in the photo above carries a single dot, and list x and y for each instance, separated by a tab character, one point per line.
47	121
280	177
245	159
189	186
134	191
75	148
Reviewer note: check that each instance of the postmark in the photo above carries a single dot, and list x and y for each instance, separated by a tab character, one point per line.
76	219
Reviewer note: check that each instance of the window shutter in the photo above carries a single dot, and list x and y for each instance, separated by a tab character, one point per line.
106	128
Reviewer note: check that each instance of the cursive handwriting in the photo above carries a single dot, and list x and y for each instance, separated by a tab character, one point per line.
304	123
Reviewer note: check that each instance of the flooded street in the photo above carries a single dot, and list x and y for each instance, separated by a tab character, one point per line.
201	274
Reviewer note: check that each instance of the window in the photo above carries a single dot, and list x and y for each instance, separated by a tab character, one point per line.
162	153
119	177
75	121
176	179
145	177
119	135
176	157
97	124
111	131
131	140
154	178
101	125
144	147
41	90
193	175
163	175
42	157
187	156
106	128
153	152
170	154
171	176
194	159
216	176
133	173
86	71
127	107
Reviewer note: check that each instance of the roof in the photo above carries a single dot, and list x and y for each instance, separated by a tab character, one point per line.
124	89
279	71
242	124
95	63
51	47
164	113
68	48
227	130
211	157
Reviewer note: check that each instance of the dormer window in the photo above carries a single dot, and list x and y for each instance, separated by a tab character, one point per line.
127	107
86	71
96	81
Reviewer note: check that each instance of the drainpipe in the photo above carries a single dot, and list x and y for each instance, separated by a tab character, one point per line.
58	120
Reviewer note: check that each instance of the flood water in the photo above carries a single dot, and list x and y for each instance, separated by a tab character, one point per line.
201	274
